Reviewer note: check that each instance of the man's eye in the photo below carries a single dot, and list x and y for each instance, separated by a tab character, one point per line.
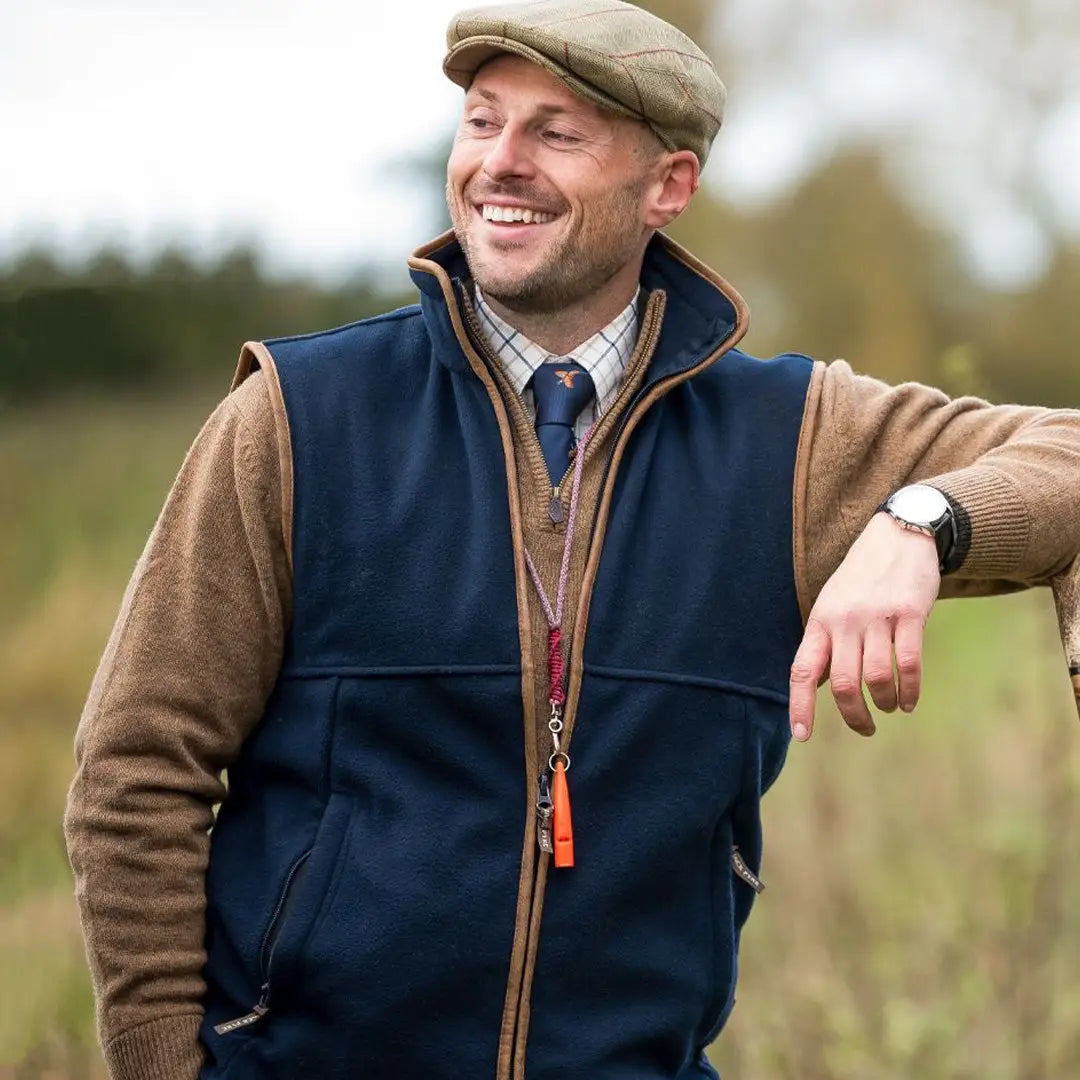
478	123
562	137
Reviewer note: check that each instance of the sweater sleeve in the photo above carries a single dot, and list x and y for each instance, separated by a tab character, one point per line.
184	678
1012	471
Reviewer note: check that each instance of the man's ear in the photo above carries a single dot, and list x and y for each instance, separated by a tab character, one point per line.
678	178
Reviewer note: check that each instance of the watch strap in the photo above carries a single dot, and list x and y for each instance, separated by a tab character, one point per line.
944	535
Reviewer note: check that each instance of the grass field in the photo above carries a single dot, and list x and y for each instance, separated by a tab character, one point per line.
922	915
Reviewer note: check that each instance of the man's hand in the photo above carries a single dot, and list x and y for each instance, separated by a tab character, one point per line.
876	603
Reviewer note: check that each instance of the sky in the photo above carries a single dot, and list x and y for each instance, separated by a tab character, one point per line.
295	125
205	123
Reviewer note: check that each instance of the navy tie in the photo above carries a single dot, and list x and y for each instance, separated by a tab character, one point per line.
562	389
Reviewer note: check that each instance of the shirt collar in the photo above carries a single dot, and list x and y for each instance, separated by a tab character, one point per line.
604	355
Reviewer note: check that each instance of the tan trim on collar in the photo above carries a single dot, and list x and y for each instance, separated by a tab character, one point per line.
420	260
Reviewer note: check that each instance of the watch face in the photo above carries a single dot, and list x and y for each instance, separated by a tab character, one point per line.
919	504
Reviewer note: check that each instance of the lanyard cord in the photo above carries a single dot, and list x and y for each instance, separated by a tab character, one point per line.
554	616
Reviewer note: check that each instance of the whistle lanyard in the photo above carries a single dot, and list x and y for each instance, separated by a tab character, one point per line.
555	833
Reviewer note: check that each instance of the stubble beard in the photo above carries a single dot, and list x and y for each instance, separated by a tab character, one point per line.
577	267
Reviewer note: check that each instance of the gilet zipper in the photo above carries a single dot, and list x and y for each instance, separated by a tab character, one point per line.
645	398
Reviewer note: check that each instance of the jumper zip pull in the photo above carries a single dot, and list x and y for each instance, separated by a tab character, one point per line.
253	1017
545	811
555	510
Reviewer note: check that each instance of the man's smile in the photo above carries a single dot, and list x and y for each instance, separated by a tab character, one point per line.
518	219
513	214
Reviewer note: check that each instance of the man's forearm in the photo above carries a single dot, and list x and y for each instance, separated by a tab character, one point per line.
187	669
1013	471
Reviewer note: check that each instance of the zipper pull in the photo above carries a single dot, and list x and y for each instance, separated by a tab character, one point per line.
738	864
253	1017
563	827
545	811
555	510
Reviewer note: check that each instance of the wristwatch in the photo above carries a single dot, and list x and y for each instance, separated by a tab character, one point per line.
924	509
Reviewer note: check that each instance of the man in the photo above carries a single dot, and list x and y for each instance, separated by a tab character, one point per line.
415	569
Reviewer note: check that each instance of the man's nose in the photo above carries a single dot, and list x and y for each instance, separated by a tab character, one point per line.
509	154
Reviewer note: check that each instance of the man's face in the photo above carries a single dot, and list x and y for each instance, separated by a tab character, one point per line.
571	175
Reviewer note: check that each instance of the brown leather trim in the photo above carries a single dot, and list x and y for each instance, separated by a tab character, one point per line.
592	566
532	945
256	356
420	261
526	879
802	479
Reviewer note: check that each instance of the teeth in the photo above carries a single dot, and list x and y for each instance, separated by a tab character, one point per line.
515	213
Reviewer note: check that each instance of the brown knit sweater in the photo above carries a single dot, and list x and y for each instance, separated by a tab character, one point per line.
197	645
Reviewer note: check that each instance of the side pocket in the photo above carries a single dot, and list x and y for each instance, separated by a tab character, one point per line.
737	851
300	903
767	742
767	737
279	918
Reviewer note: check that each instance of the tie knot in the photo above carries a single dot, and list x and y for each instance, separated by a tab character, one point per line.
562	389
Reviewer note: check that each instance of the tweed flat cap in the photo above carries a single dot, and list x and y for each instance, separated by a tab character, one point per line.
612	53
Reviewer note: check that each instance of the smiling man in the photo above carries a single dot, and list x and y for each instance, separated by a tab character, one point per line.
553	199
415	568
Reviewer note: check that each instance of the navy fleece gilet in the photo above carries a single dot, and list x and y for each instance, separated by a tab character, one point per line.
364	867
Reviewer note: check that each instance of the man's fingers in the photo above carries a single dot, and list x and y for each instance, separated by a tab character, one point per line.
846	681
877	665
811	662
909	642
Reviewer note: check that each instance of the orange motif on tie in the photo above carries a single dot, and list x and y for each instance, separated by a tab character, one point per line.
568	378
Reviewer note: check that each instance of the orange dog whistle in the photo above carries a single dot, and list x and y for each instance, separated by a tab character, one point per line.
562	827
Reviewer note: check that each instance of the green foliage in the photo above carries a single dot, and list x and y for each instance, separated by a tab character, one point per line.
109	325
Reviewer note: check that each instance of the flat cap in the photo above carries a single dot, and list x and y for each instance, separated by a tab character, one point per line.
612	53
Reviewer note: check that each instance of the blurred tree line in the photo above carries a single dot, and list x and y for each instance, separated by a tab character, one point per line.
109	324
845	267
842	266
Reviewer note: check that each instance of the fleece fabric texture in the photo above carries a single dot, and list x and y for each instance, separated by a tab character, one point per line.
365	866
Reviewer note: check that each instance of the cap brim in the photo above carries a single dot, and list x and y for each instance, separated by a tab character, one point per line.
464	59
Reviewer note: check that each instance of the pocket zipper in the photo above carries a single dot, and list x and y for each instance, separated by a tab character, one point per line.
266	952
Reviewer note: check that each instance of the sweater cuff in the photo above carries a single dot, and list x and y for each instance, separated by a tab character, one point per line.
165	1049
993	525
